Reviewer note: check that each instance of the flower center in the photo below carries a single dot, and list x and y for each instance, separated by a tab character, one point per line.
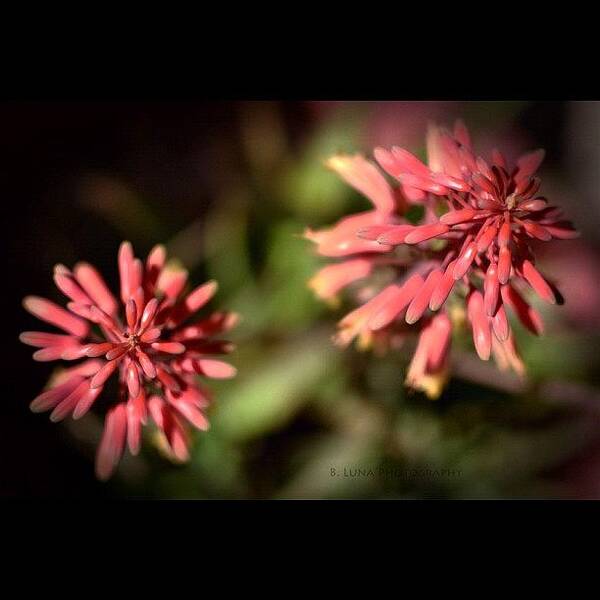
511	201
132	339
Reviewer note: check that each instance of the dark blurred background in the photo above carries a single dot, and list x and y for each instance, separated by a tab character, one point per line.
229	187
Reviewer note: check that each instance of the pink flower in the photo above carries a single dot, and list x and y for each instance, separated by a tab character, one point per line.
155	354
478	252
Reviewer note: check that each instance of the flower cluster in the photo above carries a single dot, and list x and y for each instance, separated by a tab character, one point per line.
471	246
155	354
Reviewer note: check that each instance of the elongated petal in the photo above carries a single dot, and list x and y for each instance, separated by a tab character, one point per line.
423	183
486	238
537	231
372	232
131	314
418	365
442	153
151	335
217	369
427	370
399	162
87	368
148	315
454	183
522	185
439	342
48	354
67	284
353	323
421	300
395	235
409	162
193	302
498	158
167	379
331	279
500	325
190	412
155	408
426	232
171	281
504	234
195	395
95	286
104	373
217	323
154	265
68	404
117	351
74	351
480	324
464	261
210	346
562	233
86	402
484	183
466	160
412	194
132	378
528	316
461	133
538	283
491	290
507	355
50	398
135	413
504	265
458	216
112	443
41	339
200	296
135	275
138	299
528	164
103	318
398	301
94	350
533	205
81	310
484	168
177	440
342	239
125	261
364	176
146	364
443	288
55	315
169	347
